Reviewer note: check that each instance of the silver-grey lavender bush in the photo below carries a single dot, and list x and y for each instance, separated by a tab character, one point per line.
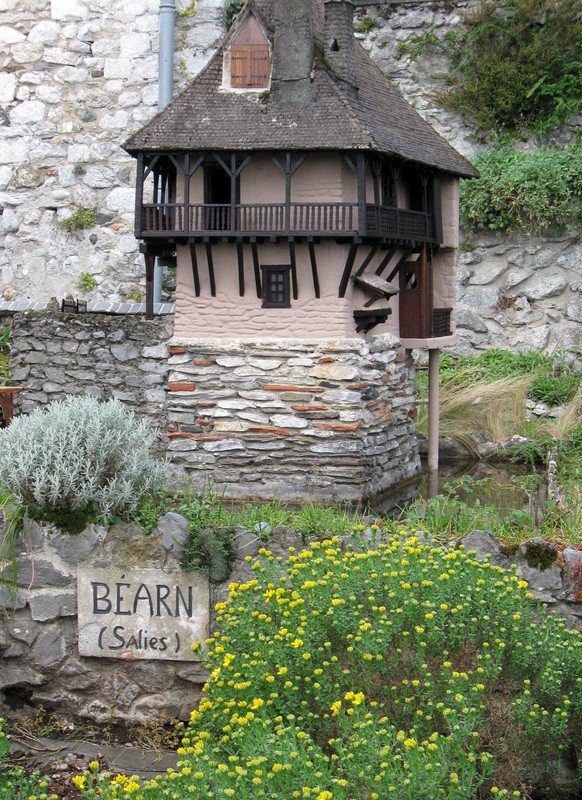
80	453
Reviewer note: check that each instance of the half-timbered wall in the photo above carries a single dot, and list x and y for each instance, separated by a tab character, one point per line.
320	178
229	314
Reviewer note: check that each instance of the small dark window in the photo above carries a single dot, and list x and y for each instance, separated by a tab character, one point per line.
276	287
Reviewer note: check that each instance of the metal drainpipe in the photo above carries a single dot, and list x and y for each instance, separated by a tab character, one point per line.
165	93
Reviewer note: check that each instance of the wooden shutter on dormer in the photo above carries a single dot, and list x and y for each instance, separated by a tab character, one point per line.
249	58
249	65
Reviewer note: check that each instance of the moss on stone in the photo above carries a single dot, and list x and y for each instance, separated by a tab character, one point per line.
539	554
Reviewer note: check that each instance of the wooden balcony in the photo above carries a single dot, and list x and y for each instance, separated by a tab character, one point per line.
178	220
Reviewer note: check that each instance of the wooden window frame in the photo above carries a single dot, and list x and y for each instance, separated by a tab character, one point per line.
267	272
255	66
247	62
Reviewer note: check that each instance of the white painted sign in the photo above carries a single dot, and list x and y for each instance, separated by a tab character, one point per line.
142	613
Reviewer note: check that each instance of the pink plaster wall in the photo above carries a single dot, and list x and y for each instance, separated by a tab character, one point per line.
450	211
445	261
230	315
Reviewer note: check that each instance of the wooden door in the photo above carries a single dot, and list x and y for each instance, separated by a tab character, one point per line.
415	298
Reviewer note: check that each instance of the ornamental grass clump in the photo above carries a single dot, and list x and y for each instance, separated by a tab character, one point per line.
79	455
404	672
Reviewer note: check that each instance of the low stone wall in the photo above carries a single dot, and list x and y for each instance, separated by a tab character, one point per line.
43	629
54	355
292	419
40	661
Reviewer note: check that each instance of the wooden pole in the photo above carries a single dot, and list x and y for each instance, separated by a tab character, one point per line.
433	416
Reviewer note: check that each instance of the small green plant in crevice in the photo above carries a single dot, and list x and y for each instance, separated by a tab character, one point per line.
86	282
233	9
415	46
540	554
135	296
189	11
365	25
82	218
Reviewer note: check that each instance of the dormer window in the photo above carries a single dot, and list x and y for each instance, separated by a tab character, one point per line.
248	60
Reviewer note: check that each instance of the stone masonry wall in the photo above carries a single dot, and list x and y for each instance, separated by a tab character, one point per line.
121	357
289	419
78	76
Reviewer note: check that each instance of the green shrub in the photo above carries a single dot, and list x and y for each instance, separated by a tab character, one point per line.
399	672
514	64
79	455
524	191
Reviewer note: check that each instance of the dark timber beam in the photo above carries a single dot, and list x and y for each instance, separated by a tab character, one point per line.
195	273
150	261
386	260
139	177
186	192
288	170
150	166
347	270
403	258
313	261
241	268
368	258
361	181
350	163
257	270
293	261
210	268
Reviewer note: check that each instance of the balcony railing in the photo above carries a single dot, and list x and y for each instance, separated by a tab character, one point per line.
180	220
398	223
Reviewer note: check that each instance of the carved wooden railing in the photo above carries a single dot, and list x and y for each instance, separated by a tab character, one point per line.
399	223
177	219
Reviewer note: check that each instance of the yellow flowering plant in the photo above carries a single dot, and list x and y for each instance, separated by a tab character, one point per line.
400	672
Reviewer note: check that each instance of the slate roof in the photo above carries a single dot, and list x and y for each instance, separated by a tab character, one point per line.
376	118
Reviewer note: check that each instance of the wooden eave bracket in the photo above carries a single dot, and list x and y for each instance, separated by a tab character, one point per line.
375	286
368	318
